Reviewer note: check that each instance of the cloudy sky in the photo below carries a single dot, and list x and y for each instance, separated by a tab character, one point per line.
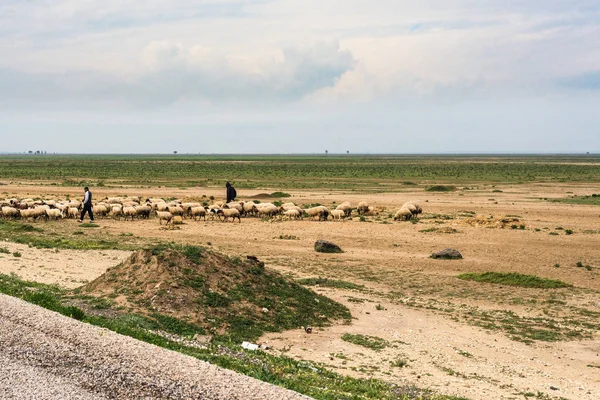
291	76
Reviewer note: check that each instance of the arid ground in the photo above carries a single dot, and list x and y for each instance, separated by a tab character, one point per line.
466	338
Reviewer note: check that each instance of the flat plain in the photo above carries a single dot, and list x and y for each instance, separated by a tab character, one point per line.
414	320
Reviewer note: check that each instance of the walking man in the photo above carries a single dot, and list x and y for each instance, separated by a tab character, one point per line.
231	193
87	205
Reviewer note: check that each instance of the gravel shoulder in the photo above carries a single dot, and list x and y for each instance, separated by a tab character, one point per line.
44	355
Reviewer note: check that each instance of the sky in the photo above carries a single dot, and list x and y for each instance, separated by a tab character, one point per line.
291	76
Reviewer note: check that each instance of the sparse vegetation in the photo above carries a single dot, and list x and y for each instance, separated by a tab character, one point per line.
326	282
370	342
515	279
441	188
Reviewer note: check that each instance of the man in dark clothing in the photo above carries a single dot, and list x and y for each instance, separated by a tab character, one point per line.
87	205
231	193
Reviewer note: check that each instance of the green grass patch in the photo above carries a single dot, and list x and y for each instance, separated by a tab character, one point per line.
333	283
280	194
89	225
370	342
441	188
515	279
4	250
593	200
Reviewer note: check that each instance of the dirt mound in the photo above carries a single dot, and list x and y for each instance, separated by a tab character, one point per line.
230	297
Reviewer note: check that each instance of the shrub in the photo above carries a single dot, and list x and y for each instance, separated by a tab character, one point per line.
441	188
17	254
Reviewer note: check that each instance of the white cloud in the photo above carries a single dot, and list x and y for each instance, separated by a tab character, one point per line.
272	63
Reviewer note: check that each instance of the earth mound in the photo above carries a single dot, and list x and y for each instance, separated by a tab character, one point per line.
229	297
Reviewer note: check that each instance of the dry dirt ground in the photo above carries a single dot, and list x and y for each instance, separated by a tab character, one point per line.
413	302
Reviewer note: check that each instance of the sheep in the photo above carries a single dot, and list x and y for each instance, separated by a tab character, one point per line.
338	214
417	206
229	213
129	212
143	211
249	208
116	211
234	206
164	216
199	212
162	207
72	212
177	220
363	208
346	208
75	203
410	207
267	210
176	210
54	214
100	210
403	213
293	214
321	211
290	208
32	213
10	212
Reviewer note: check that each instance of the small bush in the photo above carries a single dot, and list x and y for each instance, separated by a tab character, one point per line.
17	254
280	194
569	231
4	250
441	188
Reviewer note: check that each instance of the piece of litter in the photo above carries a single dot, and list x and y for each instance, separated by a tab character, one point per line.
249	346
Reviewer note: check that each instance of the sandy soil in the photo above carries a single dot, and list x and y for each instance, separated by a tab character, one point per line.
450	356
67	268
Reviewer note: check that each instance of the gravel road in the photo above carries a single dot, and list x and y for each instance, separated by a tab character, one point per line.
44	355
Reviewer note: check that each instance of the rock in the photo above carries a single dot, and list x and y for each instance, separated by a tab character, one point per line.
447	254
204	339
323	246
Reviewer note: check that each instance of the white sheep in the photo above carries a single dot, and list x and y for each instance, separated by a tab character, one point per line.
101	210
338	214
129	212
320	211
116	211
346	208
10	212
404	213
234	205
54	214
198	212
249	208
175	210
164	216
267	210
293	214
72	212
229	213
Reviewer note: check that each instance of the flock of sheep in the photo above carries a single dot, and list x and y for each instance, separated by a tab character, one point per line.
175	211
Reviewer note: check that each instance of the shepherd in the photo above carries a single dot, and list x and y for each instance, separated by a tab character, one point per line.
87	205
231	193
